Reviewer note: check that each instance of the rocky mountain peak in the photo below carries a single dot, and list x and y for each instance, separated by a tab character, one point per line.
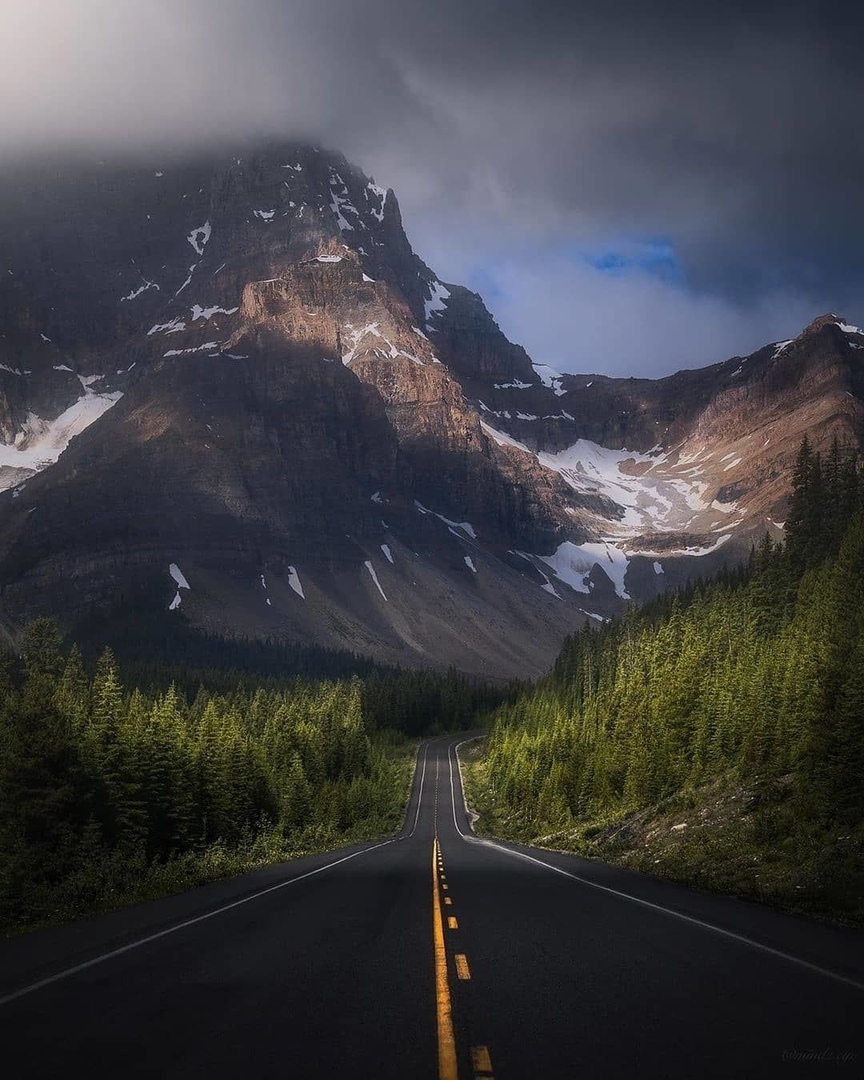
238	365
828	319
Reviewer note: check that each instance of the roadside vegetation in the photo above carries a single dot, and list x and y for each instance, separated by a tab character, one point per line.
112	792
715	736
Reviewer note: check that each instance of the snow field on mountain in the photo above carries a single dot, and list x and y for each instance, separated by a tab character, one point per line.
550	377
651	501
41	442
573	563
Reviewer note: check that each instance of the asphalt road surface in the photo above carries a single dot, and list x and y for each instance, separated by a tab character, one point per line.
435	954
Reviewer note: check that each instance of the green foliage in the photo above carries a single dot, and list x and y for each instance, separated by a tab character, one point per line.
107	793
758	674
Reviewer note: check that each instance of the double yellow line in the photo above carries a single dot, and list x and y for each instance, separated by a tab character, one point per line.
447	1069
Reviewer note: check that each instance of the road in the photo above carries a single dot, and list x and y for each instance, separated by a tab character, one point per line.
435	954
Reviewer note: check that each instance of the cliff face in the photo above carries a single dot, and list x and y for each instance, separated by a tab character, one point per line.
240	369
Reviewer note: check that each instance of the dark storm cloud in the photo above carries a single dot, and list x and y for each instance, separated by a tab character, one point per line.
729	131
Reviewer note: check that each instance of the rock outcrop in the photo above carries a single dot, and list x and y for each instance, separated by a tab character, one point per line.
239	367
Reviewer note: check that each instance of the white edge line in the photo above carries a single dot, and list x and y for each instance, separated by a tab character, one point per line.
67	972
419	793
454	752
741	938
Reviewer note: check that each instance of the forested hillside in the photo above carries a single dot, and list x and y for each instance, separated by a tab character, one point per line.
750	688
112	792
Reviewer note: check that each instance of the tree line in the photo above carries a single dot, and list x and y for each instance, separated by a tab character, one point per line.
759	673
111	790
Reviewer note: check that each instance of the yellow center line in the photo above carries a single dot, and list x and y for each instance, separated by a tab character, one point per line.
452	923
481	1061
462	969
447	1068
448	900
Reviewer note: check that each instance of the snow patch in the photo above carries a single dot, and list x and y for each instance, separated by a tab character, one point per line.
653	499
355	336
328	258
380	194
501	437
41	442
196	349
172	327
199	312
388	555
192	270
695	552
374	577
437	302
465	526
469	562
135	293
182	583
294	582
176	573
339	201
198	237
549	377
658	568
573	563
265	215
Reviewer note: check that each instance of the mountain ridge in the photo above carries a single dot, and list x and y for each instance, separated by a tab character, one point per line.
334	445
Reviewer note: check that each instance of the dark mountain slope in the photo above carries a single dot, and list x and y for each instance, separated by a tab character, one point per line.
236	369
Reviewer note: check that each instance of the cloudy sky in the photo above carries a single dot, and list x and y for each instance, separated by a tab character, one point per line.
632	187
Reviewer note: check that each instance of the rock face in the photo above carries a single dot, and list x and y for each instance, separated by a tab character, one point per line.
238	368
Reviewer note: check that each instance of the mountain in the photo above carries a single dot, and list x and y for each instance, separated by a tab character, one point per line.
230	392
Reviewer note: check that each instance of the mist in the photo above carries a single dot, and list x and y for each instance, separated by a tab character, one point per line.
727	133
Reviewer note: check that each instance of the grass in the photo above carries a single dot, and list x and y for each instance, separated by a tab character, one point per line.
755	841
